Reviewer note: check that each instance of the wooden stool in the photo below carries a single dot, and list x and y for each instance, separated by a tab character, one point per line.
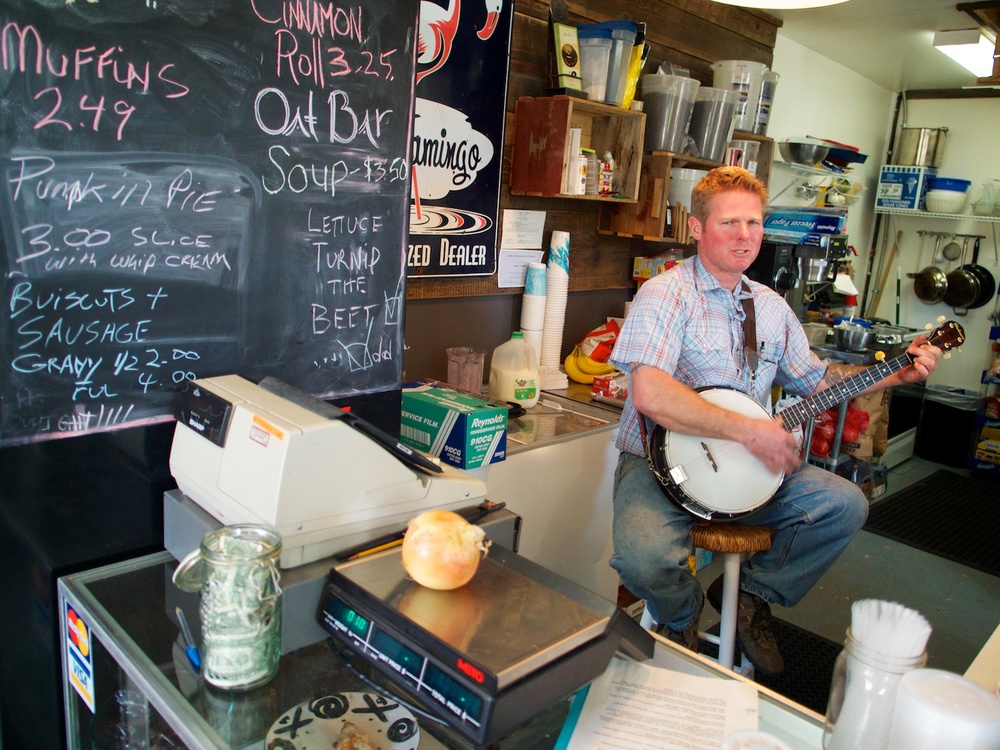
733	540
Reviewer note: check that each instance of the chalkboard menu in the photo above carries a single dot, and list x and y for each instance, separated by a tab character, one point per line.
196	187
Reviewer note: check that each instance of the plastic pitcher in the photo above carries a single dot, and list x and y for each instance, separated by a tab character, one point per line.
668	102
595	56
622	39
514	372
712	121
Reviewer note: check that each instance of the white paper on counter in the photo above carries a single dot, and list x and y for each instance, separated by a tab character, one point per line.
634	706
522	229
513	266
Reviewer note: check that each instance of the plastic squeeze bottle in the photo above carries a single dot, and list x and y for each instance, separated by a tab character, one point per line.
514	372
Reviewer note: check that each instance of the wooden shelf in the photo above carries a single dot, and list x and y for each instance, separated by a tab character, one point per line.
541	140
647	218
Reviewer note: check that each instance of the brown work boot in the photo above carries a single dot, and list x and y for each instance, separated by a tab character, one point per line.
688	638
754	629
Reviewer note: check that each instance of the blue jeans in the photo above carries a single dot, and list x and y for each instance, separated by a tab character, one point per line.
815	514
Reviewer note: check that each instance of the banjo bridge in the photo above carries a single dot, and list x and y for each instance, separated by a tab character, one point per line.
709	456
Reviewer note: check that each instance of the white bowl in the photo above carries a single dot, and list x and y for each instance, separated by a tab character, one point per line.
945	201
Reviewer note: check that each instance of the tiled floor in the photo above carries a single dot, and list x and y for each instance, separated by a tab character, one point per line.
961	604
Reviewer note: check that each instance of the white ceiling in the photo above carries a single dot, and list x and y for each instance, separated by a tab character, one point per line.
889	42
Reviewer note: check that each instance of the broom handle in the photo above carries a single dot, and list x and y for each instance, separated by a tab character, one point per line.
885	275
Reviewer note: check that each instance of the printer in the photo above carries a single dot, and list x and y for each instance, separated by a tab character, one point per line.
326	479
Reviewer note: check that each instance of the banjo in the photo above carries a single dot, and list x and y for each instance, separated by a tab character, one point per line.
719	480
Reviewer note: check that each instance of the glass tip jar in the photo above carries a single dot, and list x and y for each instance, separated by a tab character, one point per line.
235	569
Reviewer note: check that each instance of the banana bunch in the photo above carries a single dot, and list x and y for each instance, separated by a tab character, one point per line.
583	369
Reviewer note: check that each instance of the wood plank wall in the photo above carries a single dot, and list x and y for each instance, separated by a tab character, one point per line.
690	33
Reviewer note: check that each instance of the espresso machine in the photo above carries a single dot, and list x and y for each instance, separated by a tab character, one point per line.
799	272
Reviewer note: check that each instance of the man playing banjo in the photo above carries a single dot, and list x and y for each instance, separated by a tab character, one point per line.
686	330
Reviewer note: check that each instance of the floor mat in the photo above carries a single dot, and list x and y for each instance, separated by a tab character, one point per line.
946	514
809	660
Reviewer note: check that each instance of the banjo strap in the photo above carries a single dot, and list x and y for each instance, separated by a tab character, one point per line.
749	331
749	350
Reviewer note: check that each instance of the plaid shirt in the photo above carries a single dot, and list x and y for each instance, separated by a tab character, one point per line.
686	324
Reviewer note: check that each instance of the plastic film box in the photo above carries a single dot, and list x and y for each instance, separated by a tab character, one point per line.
903	187
459	428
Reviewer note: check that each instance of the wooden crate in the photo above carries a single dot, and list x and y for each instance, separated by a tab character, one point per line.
647	217
542	126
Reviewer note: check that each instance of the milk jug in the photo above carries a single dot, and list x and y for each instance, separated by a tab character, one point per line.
514	372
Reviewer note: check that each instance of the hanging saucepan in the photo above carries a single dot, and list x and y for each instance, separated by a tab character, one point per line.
930	284
987	284
962	287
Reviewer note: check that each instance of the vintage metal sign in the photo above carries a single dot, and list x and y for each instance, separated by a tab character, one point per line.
457	146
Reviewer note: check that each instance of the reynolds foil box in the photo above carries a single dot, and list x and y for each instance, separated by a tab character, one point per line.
903	187
793	224
460	428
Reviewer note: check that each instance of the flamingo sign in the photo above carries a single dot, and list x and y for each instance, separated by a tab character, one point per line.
462	52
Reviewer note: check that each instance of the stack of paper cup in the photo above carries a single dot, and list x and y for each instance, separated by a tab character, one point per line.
556	291
936	709
533	307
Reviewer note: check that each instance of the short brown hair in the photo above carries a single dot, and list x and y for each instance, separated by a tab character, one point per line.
720	180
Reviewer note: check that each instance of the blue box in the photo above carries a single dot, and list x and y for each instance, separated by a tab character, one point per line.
803	226
903	187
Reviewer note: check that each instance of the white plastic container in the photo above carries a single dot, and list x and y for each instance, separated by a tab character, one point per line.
764	104
514	372
746	78
682	182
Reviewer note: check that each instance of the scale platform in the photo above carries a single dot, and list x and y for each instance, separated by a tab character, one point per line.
485	657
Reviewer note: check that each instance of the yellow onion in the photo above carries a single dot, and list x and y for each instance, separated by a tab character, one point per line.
441	550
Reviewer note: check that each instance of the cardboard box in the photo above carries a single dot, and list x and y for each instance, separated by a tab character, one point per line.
903	187
460	428
702	557
566	53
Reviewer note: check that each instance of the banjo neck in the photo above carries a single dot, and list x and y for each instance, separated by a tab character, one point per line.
946	337
809	407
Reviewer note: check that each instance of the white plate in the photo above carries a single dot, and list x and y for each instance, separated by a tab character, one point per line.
316	724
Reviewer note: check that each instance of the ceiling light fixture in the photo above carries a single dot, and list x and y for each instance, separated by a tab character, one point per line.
970	48
781	4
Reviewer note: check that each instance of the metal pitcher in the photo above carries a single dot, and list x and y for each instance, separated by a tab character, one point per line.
235	569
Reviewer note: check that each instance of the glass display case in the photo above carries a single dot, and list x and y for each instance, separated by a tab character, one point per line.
129	682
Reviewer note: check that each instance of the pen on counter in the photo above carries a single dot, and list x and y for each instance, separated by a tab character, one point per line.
395	539
189	645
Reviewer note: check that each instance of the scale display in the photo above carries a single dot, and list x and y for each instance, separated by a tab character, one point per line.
484	657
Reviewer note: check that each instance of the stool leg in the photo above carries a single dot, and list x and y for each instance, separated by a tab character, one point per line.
730	600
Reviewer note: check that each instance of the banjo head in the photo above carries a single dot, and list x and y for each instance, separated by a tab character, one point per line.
711	478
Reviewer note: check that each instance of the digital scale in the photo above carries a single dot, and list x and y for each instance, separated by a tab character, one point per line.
485	657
